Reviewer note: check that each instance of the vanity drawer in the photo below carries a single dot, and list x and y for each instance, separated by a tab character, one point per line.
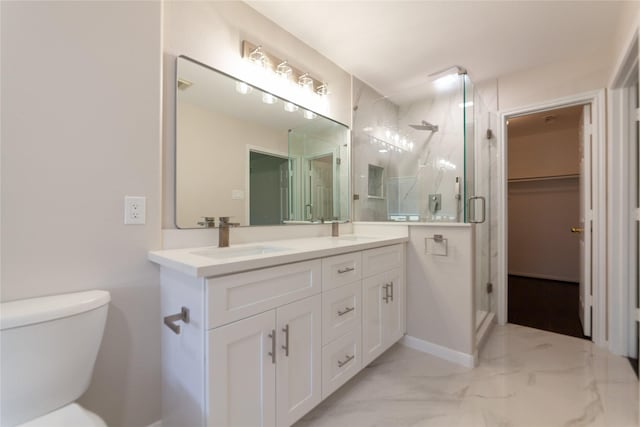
377	260
341	311
341	269
341	360
236	296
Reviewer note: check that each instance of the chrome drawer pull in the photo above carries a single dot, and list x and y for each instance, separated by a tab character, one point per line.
347	360
346	310
183	316
386	293
391	285
272	353
345	270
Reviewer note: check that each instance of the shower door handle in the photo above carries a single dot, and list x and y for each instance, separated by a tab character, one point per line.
472	217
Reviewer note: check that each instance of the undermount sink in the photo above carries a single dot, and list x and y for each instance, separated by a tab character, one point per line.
238	252
356	238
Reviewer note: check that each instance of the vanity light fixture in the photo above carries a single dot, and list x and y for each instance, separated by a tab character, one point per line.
256	54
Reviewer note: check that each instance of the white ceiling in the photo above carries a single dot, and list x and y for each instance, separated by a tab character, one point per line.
394	45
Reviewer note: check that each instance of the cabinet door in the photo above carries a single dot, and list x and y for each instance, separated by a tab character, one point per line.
393	311
242	375
299	366
373	300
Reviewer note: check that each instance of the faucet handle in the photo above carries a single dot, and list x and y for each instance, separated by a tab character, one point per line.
224	221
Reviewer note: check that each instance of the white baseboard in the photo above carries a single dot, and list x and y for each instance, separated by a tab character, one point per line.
464	359
156	424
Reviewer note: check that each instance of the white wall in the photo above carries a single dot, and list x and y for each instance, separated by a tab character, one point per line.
541	214
80	130
212	32
552	81
540	154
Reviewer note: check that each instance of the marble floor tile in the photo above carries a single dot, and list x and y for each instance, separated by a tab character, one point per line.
525	377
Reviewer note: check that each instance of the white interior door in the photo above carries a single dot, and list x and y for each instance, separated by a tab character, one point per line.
586	217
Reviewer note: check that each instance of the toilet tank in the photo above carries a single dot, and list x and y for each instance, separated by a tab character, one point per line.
48	347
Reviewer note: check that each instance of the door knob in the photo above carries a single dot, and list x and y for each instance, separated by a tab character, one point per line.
577	229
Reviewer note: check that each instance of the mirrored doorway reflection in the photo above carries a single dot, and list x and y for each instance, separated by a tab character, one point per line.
319	194
268	188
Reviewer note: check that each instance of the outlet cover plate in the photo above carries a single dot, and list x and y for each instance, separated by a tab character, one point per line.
135	210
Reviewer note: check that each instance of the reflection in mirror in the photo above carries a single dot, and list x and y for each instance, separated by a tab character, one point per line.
319	154
247	154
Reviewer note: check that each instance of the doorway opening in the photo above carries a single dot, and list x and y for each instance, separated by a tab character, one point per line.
546	241
594	295
268	188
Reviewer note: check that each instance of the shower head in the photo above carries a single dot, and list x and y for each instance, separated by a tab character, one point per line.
425	126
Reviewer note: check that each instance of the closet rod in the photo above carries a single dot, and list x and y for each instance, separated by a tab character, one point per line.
544	178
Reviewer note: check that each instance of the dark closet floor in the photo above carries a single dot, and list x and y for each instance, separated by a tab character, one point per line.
545	304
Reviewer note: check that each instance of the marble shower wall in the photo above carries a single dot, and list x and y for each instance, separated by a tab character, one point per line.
409	177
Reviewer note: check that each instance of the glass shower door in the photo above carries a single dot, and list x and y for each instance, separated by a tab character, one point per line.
478	207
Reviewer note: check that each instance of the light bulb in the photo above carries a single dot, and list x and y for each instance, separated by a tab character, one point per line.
284	70
323	89
290	107
243	88
306	82
267	98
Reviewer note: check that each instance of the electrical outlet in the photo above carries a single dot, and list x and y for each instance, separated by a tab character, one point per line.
134	209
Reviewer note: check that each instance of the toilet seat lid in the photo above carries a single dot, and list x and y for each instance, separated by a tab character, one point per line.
70	415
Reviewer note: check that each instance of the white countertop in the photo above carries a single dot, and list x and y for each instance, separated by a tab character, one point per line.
189	262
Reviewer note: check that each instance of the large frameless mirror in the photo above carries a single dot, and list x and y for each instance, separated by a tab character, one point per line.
250	155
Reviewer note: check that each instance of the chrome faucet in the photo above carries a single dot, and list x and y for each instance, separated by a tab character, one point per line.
223	231
335	228
207	222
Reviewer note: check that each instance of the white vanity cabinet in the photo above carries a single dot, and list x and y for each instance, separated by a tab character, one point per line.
263	347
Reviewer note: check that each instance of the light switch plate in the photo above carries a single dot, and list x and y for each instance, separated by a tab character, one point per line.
135	210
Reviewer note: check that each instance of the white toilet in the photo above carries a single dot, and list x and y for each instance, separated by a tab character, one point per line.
48	348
